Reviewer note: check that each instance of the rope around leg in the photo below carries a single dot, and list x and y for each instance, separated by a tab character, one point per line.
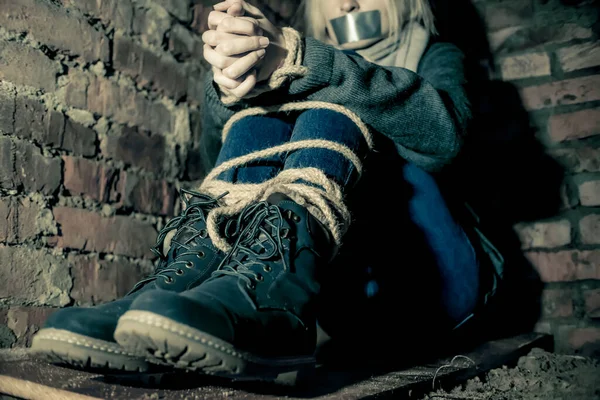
320	195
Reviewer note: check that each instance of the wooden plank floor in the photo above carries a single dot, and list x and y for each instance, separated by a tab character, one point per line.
24	377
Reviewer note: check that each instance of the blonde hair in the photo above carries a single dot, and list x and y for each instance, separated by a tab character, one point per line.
400	12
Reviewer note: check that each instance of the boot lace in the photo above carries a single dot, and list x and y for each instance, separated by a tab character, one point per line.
197	204
262	224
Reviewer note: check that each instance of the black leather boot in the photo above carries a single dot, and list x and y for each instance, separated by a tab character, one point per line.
83	336
255	318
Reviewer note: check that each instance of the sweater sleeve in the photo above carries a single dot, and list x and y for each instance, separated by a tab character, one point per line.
425	114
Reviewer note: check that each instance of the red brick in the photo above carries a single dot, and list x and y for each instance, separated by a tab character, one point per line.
22	166
525	66
521	38
52	128
31	121
66	32
589	193
164	74
116	13
507	13
126	106
569	91
569	265
575	125
37	173
23	65
75	92
544	234
7	108
557	303
589	229
585	341
185	44
9	215
88	231
93	179
55	128
26	321
157	118
592	303
79	139
33	277
135	148
158	72
29	214
23	220
579	56
127	56
9	179
577	160
99	281
150	196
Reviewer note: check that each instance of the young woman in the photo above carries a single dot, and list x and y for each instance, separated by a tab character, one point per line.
312	139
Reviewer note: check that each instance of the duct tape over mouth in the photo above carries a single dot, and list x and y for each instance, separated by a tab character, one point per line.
357	26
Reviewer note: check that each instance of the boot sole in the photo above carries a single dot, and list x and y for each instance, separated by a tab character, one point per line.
164	341
59	346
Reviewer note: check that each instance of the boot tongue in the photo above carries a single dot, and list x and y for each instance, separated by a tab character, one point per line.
277	198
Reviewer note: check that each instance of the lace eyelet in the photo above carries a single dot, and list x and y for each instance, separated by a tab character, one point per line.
169	280
201	254
189	265
296	218
180	272
203	234
260	278
267	268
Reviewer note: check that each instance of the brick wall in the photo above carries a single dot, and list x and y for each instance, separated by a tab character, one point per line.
100	116
100	119
549	51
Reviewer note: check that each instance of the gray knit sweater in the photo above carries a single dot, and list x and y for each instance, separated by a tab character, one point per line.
425	113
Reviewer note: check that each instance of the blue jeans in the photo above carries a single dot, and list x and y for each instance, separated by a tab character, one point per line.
261	132
403	248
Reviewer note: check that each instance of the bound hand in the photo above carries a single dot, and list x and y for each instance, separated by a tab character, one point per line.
243	47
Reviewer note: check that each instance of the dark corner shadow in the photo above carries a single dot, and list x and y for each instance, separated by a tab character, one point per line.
504	172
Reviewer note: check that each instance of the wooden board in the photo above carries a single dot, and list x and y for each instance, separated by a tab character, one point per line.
24	377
